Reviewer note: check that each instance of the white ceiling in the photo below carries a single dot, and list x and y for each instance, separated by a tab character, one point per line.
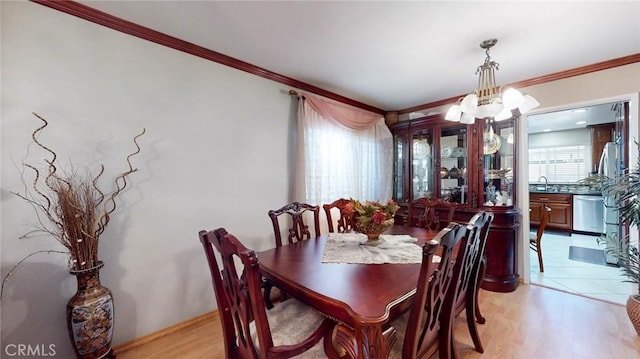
395	55
572	118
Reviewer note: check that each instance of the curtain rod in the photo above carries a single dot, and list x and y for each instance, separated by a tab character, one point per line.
294	93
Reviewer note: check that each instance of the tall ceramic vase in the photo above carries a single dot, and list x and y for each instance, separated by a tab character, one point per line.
633	310
90	315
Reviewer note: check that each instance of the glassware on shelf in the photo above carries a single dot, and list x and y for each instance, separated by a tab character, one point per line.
490	194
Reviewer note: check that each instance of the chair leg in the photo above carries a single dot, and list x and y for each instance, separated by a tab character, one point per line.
446	349
481	271
452	349
267	285
539	247
471	324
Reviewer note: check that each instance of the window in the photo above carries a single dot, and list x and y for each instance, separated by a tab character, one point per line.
336	161
563	164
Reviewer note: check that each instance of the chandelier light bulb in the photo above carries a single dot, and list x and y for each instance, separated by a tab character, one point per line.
469	103
504	114
512	98
453	114
529	104
489	110
467	118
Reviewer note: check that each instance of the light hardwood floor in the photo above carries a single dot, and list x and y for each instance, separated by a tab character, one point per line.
532	322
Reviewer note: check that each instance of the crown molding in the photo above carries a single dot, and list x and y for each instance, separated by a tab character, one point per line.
599	66
130	28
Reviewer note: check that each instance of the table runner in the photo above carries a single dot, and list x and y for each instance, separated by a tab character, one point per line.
350	248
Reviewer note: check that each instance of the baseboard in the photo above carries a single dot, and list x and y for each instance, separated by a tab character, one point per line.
164	332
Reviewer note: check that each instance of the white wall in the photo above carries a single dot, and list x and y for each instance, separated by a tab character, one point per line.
580	136
217	153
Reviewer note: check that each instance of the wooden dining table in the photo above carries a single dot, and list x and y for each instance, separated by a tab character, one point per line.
361	298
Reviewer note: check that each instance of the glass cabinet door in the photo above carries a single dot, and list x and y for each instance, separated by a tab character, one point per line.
454	184
400	191
422	165
498	162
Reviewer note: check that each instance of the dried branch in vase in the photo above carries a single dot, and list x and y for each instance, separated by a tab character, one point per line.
71	207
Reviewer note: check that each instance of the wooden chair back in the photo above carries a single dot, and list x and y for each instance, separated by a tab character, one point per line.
346	220
544	219
430	217
298	231
241	305
478	230
472	268
535	243
238	295
424	333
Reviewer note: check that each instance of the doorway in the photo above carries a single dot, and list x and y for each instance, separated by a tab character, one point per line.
564	151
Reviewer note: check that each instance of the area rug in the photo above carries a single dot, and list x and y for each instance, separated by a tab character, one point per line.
587	255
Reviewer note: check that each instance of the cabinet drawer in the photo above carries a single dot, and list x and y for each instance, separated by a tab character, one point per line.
551	197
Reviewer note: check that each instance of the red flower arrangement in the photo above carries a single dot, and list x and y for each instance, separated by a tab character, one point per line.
372	217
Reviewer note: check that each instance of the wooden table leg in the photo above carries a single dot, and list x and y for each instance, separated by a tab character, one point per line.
366	342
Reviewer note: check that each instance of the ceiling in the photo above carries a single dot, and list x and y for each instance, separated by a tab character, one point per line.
397	55
572	118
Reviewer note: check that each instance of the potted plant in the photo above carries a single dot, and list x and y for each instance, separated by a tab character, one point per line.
624	192
71	208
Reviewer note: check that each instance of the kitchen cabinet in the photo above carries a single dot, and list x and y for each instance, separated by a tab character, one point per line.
472	165
561	215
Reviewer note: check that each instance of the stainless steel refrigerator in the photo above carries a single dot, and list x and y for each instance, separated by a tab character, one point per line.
610	165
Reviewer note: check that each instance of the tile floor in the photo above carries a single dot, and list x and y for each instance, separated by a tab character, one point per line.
590	280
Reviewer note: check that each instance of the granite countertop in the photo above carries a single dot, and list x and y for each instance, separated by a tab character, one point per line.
565	189
574	192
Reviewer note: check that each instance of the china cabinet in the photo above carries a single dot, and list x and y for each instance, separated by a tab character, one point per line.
432	160
472	165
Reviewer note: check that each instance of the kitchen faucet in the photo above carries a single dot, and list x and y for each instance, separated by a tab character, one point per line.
546	183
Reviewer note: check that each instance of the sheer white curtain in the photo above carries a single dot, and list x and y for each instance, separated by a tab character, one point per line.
334	160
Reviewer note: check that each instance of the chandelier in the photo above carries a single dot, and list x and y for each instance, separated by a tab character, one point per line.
489	101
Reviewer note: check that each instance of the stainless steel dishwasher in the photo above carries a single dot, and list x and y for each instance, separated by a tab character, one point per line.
588	214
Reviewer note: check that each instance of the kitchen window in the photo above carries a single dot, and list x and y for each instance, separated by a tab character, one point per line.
560	164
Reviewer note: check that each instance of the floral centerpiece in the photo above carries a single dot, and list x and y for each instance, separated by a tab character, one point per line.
371	217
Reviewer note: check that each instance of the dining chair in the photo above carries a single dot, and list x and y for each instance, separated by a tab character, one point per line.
482	268
249	329
430	216
535	241
420	331
472	267
345	222
298	231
